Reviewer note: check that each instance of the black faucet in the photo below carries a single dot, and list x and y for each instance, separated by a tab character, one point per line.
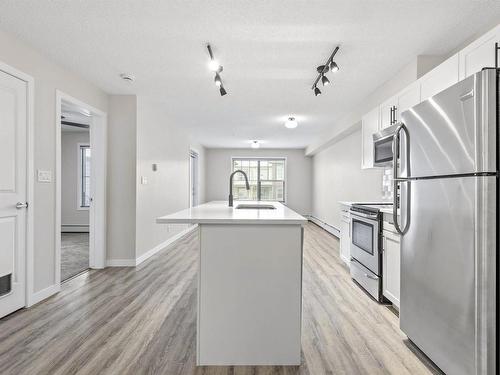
231	185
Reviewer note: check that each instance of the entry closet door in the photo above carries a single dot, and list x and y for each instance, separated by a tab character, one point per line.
13	206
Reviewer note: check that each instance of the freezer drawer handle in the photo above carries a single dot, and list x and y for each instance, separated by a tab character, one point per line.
370	276
397	180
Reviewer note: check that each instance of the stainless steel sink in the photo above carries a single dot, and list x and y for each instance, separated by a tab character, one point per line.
243	206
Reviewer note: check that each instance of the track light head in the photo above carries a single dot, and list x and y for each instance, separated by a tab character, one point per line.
255	144
317	92
222	91
217	80
325	81
334	67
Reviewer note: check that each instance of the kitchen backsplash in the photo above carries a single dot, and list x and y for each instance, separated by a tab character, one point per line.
387	184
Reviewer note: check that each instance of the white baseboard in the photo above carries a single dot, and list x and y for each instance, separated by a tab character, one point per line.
42	294
120	263
74	228
329	228
149	253
164	245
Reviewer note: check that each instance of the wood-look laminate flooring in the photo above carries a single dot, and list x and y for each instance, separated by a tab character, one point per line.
74	254
143	321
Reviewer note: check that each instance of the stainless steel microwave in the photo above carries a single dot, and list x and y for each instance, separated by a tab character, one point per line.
383	154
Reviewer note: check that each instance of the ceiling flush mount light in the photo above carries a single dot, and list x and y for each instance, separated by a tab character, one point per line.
291	123
328	66
255	144
215	67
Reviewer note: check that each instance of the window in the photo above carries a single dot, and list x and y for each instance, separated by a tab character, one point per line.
265	176
84	176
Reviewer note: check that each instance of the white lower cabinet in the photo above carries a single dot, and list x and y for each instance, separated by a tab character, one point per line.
391	266
345	237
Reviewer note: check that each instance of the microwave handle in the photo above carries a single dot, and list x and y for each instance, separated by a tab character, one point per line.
397	179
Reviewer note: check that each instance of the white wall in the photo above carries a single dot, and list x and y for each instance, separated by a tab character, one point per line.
121	178
48	78
161	142
298	174
71	215
337	176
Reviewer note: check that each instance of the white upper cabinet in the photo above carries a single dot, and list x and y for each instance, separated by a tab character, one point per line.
479	54
408	98
388	112
370	125
439	78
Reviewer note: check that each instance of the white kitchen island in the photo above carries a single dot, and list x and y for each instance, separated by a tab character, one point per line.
249	283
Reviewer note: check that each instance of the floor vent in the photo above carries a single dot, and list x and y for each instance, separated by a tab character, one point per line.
5	284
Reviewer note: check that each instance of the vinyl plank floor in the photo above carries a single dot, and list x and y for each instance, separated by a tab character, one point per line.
74	254
143	321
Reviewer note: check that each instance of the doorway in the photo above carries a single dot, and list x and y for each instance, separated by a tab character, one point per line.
80	187
76	169
193	178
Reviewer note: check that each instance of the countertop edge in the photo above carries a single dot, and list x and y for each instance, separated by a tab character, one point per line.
232	221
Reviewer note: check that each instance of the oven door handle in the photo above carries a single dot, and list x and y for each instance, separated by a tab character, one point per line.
366	216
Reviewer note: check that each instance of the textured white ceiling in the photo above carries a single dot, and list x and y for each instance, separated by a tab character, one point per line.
269	50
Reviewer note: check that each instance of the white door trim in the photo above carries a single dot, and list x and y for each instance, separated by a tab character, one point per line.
30	178
97	214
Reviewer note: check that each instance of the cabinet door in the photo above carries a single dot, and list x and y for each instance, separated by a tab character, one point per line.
440	78
345	238
408	98
388	110
479	54
391	267
370	123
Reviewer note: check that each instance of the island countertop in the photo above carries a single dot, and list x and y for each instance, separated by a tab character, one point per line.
218	212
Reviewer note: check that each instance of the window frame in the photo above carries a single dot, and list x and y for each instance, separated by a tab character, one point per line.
264	158
80	176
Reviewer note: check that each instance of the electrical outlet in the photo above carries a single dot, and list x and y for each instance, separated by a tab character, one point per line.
44	176
144	180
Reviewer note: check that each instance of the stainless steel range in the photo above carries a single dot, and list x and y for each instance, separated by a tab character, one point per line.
366	247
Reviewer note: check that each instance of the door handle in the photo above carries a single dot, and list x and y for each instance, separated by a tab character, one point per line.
396	179
20	205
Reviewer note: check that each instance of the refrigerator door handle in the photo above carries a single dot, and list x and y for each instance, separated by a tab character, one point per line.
397	180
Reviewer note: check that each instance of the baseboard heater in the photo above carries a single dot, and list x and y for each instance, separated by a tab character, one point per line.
329	228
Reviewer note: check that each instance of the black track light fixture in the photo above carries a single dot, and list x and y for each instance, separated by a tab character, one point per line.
334	67
215	67
329	65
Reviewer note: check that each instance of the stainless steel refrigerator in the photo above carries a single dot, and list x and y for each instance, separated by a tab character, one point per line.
446	208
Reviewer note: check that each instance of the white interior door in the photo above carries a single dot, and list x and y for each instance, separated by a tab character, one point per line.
13	166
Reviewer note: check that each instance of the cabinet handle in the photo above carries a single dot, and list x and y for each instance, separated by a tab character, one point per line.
395	112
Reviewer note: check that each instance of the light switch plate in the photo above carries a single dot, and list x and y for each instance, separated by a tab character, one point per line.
144	180
44	176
